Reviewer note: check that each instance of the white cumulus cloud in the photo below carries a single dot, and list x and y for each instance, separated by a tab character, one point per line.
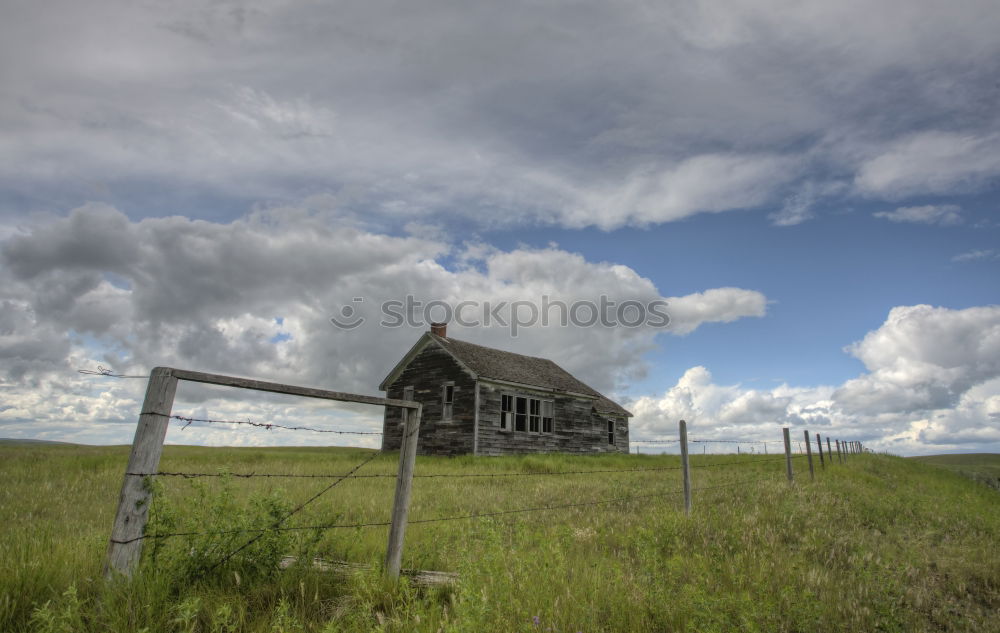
932	385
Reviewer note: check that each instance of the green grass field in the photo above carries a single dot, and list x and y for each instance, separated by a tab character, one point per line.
879	544
981	467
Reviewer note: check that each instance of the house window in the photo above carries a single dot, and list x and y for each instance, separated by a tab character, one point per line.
506	412
547	406
611	431
407	395
447	400
520	413
526	415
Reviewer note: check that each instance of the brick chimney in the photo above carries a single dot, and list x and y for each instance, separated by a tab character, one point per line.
440	329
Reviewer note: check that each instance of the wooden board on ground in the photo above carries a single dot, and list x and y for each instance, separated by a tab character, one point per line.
418	576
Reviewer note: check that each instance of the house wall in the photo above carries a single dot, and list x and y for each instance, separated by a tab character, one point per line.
576	429
426	373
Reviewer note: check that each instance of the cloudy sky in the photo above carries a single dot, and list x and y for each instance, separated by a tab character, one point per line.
812	187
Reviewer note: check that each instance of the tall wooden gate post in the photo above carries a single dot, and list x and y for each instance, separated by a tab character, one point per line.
133	503
788	454
809	456
404	484
685	466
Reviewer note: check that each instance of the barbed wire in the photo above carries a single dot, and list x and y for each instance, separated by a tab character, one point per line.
192	475
189	475
273	527
107	372
675	441
474	515
264	425
292	513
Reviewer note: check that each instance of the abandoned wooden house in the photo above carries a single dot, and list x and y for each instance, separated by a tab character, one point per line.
486	401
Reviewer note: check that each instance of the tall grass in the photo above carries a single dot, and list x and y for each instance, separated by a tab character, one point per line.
878	544
981	467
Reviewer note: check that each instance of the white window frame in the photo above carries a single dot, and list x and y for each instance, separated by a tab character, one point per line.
534	415
548	406
507	416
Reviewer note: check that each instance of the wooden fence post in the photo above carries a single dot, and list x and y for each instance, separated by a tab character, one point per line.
125	546
819	446
809	456
788	454
840	456
685	466
404	485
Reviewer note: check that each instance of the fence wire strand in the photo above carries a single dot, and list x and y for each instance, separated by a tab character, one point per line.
277	527
263	425
190	475
106	372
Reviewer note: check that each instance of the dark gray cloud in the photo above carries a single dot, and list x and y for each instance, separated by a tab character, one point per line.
575	113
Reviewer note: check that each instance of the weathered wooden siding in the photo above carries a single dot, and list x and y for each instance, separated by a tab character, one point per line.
426	373
575	428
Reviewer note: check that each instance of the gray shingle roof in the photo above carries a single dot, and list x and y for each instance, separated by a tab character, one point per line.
488	362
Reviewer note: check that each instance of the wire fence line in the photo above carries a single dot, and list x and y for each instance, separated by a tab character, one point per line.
290	514
109	373
263	425
473	515
277	523
156	415
690	441
106	372
191	475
